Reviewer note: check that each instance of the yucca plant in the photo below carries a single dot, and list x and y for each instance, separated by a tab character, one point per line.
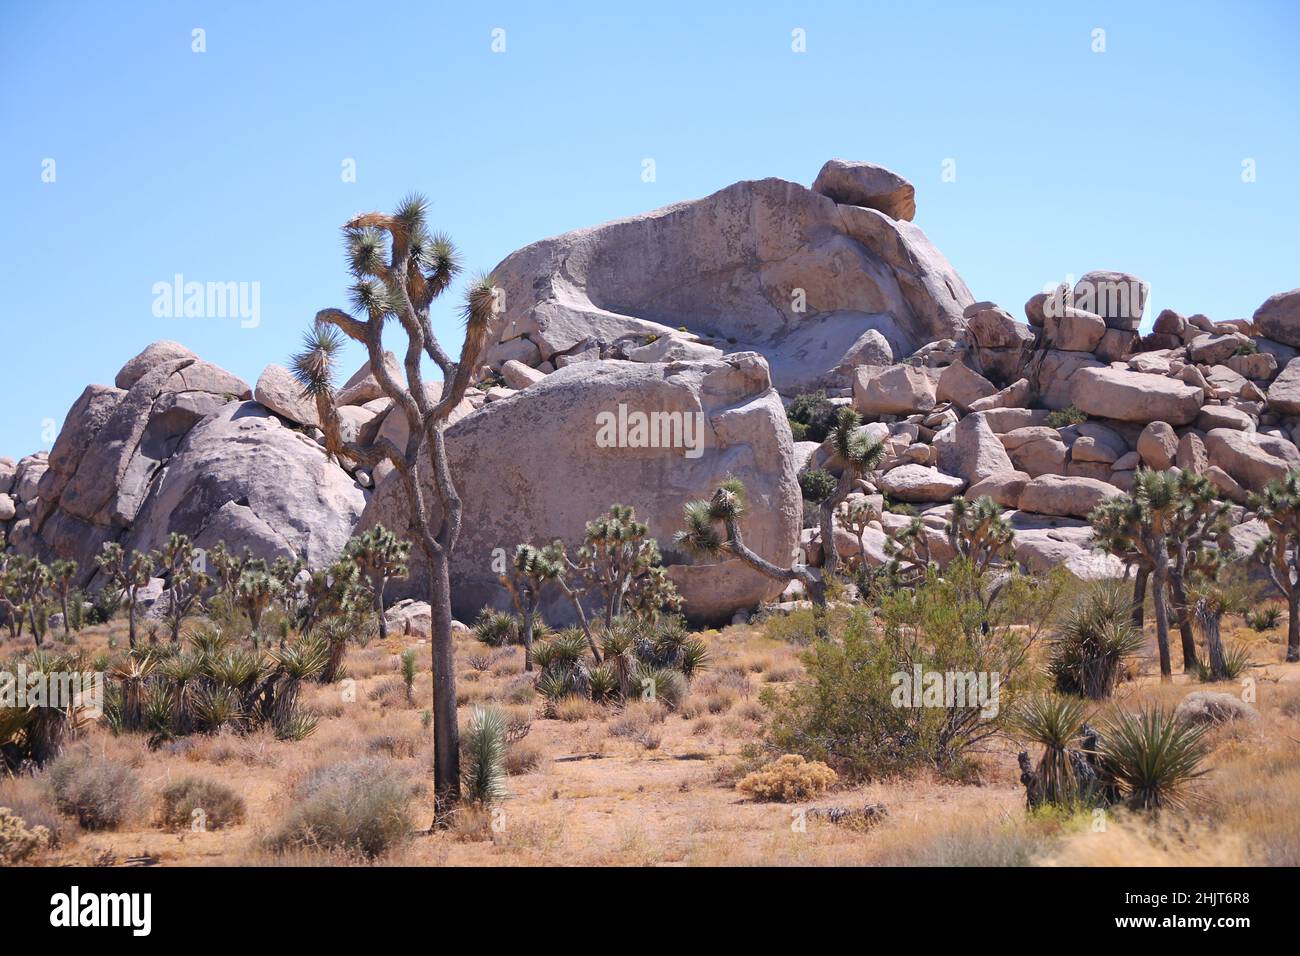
496	628
408	674
484	754
1233	661
218	708
297	725
1093	640
659	683
1153	757
1056	722
603	683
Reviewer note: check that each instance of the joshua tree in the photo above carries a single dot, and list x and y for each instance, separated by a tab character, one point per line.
1278	506
561	571
379	557
228	568
857	514
1198	520
63	573
726	508
619	556
326	592
530	570
400	268
9	597
128	573
1141	522
977	531
185	582
33	581
257	589
859	454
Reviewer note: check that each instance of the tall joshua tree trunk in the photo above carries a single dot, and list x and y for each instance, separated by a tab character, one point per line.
1140	595
399	269
1160	580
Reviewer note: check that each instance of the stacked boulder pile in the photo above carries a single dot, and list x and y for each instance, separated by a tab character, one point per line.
718	311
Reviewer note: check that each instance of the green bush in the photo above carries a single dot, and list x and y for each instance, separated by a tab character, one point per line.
852	712
1064	417
817	484
815	413
361	806
216	804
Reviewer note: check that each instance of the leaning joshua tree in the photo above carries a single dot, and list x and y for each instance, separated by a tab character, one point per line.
400	268
726	508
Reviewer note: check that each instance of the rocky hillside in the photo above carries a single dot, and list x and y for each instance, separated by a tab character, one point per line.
716	311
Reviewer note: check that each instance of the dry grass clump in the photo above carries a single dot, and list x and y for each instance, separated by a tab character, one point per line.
199	804
100	792
522	756
574	708
787	779
361	806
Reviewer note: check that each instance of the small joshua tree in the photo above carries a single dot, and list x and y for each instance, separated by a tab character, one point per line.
63	573
256	591
186	582
33	582
726	509
129	573
1278	506
379	557
1141	522
530	570
400	268
859	455
619	556
856	514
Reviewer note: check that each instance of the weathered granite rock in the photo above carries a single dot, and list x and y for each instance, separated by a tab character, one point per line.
854	183
1134	396
581	473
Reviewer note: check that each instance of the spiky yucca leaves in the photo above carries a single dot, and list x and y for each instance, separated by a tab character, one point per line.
1056	723
1278	506
1094	639
254	595
218	707
1153	757
604	683
485	754
712	529
496	628
408	674
650	683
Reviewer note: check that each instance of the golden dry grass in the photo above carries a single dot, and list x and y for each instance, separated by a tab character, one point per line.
645	786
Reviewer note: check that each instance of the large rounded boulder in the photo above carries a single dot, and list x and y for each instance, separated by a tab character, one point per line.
538	465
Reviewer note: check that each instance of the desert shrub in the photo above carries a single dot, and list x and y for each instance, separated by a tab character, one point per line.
483	750
1093	640
817	484
1248	347
522	756
857	710
194	800
100	793
1264	619
787	779
496	628
1153	757
18	841
1064	417
360	806
812	415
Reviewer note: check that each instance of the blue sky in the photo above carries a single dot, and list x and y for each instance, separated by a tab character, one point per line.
226	165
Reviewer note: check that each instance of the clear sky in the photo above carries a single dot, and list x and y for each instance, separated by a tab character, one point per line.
228	165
